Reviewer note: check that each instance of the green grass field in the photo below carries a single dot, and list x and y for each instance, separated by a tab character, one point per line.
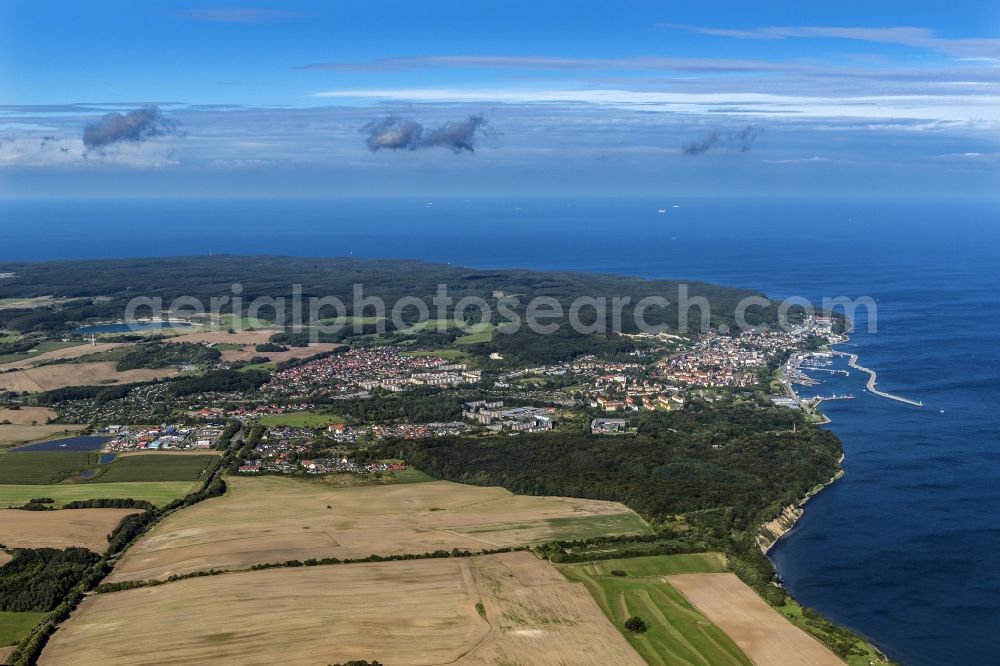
43	467
587	527
300	420
157	492
228	321
110	355
864	654
412	476
155	467
450	354
15	626
257	367
567	529
478	333
51	467
40	348
349	321
678	633
7	337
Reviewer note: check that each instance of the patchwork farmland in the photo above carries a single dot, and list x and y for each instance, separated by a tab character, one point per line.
677	632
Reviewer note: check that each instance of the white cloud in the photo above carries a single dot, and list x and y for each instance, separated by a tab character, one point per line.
920	38
965	108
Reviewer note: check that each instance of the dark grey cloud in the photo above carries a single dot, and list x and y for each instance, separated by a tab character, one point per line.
132	127
396	133
458	136
740	141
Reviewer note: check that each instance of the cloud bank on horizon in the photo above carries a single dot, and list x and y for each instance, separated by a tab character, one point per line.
859	99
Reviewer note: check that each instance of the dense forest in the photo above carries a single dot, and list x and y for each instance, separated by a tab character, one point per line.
117	281
418	405
562	345
39	579
725	466
165	355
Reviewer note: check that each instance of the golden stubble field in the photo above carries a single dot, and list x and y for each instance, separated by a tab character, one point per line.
273	519
48	377
248	341
247	353
760	631
87	528
27	415
408	613
244	338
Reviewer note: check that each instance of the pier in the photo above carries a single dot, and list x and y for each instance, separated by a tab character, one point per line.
852	360
820	398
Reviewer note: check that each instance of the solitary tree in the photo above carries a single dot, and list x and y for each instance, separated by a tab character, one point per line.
635	625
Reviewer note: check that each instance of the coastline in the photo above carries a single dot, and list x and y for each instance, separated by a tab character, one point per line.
772	531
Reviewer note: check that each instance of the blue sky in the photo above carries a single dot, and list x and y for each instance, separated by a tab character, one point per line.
246	99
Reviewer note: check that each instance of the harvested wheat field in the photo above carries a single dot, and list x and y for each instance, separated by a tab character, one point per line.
20	434
273	519
766	637
410	613
48	377
27	415
5	557
249	352
223	337
87	528
538	617
64	354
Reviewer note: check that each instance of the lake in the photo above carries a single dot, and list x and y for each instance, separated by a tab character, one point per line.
134	327
81	443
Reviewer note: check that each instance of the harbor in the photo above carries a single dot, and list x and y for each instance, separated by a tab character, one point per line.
852	360
793	373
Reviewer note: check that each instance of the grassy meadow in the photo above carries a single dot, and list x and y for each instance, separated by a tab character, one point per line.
300	420
15	626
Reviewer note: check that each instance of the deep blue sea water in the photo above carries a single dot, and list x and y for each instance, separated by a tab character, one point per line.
904	548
